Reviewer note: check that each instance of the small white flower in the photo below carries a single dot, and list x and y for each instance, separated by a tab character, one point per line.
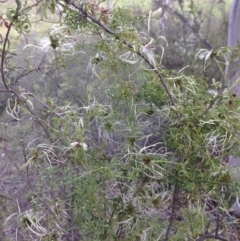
94	61
204	54
148	51
129	57
213	92
79	144
13	108
57	40
84	146
74	144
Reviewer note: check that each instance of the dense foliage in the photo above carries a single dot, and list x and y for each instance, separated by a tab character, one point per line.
101	140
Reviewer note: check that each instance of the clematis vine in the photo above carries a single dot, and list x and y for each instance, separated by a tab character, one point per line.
59	39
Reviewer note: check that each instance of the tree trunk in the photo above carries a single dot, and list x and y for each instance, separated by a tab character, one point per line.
233	70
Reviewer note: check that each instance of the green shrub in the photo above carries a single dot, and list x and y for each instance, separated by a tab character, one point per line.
110	144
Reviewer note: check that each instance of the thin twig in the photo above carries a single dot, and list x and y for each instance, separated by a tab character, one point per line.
25	158
174	209
208	236
216	236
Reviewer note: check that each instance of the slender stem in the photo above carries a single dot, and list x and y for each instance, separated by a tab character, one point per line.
4	55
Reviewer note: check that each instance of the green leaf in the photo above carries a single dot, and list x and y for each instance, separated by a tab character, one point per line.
52	8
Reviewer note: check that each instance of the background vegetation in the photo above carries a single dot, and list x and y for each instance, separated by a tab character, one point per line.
116	121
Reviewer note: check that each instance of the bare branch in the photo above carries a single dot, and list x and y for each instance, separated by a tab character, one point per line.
202	40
